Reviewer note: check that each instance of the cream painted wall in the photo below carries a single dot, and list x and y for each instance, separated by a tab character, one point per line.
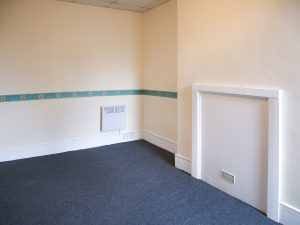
34	122
250	43
54	46
160	69
50	46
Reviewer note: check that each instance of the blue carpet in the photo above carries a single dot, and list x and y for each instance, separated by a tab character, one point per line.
130	183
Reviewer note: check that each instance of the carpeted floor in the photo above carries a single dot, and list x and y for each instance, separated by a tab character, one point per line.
132	183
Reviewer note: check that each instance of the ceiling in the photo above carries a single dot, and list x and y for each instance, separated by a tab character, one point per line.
131	5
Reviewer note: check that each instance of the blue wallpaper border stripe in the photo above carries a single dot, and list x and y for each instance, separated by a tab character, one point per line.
83	94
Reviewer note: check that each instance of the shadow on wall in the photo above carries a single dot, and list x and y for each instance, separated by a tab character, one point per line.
185	103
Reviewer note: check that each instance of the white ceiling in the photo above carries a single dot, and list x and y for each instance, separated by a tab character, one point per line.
131	5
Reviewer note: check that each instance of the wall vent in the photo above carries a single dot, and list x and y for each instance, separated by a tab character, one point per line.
228	176
113	118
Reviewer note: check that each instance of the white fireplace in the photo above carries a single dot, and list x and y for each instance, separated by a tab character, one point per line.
236	143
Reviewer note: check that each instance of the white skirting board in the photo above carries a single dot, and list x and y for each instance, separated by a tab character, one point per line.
159	141
289	215
28	151
41	149
183	163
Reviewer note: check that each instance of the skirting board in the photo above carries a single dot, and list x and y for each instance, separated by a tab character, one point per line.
289	215
41	149
159	141
183	163
28	151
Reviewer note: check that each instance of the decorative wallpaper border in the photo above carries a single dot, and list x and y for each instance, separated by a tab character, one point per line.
83	94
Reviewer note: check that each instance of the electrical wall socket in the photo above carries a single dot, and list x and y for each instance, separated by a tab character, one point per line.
129	135
228	176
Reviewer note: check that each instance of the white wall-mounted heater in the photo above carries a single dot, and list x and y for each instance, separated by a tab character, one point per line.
113	118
